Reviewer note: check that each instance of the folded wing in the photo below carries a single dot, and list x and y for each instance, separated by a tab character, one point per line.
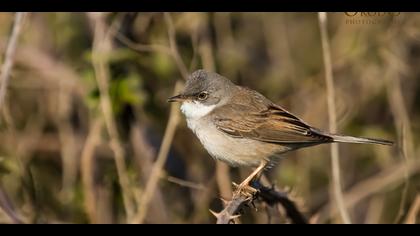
269	123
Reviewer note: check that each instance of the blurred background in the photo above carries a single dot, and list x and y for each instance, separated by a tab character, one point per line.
86	134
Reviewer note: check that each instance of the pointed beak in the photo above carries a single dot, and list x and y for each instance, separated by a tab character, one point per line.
177	98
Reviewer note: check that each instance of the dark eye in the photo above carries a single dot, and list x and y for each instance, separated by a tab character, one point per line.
203	96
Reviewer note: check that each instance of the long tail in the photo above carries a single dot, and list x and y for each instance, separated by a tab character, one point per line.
350	139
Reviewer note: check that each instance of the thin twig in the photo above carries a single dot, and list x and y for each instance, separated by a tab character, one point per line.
87	170
145	154
335	164
7	66
151	184
113	30
185	183
141	47
413	212
51	72
401	117
171	50
10	55
223	179
404	194
173	46
174	117
101	50
375	210
7	207
68	142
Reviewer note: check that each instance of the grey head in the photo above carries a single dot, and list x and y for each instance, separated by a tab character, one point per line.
207	88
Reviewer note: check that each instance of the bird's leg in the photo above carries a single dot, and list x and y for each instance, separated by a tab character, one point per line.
244	187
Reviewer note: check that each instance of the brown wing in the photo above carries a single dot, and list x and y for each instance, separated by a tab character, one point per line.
265	122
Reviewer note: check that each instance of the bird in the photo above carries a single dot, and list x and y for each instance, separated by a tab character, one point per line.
241	127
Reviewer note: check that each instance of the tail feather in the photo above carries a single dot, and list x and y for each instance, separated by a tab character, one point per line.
350	139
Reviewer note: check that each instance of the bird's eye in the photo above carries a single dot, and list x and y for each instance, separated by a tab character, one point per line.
203	96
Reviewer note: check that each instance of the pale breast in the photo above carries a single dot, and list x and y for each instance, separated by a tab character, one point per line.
234	151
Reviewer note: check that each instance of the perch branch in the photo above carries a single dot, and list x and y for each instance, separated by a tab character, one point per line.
271	197
229	213
335	164
268	195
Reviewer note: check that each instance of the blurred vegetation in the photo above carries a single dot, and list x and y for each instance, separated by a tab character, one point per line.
57	162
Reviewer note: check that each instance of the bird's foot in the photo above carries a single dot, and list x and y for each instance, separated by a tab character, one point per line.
245	190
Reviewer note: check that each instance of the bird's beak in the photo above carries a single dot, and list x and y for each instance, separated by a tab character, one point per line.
177	98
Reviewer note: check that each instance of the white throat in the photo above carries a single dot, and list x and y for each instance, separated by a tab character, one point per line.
195	110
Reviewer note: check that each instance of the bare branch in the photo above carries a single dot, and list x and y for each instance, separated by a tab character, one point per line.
7	66
100	52
173	46
87	169
335	164
185	183
145	154
414	212
399	111
7	207
141	47
151	185
171	50
10	55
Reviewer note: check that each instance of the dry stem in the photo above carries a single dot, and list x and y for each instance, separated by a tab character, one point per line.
87	170
10	55
7	66
335	164
151	185
100	51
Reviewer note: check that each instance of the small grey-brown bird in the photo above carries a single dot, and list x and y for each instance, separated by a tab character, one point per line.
240	126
